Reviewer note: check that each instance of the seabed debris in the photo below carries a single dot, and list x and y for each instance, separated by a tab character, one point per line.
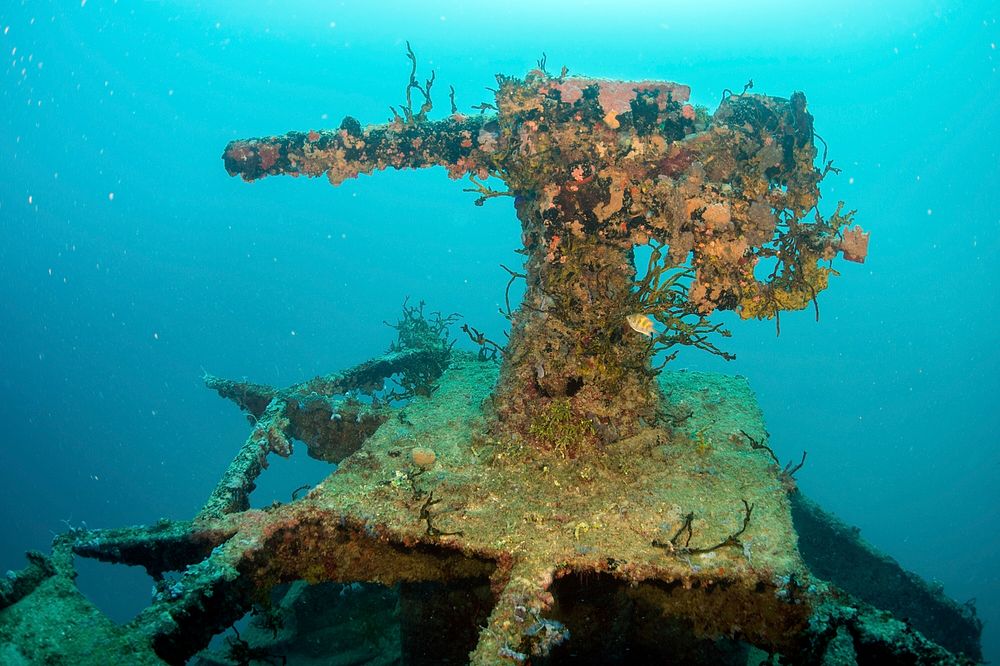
558	496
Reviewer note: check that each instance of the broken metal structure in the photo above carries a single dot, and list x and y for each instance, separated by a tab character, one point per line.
574	502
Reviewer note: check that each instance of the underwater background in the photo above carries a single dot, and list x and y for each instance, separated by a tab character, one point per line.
131	263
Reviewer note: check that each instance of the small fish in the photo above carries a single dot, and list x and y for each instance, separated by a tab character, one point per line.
641	323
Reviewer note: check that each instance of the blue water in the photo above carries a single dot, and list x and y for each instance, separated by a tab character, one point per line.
130	262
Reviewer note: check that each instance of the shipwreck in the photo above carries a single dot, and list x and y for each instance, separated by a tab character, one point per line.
560	496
